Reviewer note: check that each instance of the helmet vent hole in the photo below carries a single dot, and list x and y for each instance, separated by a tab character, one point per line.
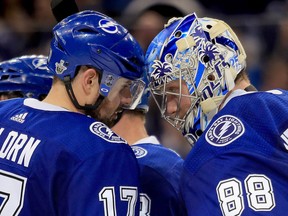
206	58
199	132
11	70
60	46
4	77
211	77
87	31
209	26
169	57
134	60
178	34
15	76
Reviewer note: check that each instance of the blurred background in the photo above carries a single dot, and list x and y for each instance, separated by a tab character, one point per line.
25	28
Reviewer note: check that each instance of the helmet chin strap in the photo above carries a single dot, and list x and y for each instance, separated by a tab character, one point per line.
69	89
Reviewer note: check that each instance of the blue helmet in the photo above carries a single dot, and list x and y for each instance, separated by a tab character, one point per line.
206	55
27	74
93	39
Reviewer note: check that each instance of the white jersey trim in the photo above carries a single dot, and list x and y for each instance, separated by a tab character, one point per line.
36	104
236	93
150	140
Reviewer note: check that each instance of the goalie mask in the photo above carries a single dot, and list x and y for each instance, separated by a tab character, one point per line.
192	64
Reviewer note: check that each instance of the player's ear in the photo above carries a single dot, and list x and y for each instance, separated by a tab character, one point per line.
90	79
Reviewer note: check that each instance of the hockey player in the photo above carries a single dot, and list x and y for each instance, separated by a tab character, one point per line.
56	160
160	167
239	165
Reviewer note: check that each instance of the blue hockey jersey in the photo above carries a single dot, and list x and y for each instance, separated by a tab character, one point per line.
160	170
57	162
239	166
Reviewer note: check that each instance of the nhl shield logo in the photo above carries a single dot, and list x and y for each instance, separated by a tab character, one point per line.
224	130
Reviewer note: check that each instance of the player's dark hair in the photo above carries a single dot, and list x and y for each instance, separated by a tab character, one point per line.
243	75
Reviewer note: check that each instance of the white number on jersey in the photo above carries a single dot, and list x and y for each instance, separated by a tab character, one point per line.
12	189
259	195
145	205
230	197
128	194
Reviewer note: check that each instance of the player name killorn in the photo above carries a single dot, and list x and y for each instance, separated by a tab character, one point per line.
18	147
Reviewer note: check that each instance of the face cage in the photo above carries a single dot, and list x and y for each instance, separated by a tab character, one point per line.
160	94
194	122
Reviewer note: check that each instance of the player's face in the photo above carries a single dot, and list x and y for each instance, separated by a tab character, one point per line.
178	101
3	97
110	107
10	94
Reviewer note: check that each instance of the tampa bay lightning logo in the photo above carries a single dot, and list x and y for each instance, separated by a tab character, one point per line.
139	151
40	63
224	130
101	130
108	26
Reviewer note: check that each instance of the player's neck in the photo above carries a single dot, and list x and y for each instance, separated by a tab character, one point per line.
56	97
131	128
242	84
239	85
